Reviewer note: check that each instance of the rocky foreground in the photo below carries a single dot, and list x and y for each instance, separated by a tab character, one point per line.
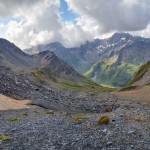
69	120
43	129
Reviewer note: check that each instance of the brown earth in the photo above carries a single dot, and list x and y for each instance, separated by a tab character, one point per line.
7	103
141	94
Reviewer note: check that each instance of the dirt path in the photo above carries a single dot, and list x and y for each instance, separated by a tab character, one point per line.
7	103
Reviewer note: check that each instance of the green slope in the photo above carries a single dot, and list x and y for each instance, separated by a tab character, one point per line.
109	72
143	69
119	66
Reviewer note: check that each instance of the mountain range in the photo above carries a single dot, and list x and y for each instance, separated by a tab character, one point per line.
41	95
44	67
112	61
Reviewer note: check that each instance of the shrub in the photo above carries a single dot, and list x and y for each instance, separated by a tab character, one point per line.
78	118
93	94
36	75
25	115
4	138
103	120
139	119
106	110
93	87
14	119
48	112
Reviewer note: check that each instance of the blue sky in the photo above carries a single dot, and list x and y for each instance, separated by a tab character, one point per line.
66	14
5	20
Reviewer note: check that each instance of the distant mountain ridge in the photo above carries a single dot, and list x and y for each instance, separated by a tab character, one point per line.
13	57
112	61
121	62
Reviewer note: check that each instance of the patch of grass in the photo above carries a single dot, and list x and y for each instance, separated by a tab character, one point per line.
14	119
143	69
79	85
24	114
35	111
37	76
139	119
4	138
78	117
48	112
96	88
86	127
128	88
48	74
72	85
103	120
148	84
111	73
107	88
106	110
93	94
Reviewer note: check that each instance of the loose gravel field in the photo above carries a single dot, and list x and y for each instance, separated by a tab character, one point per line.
59	119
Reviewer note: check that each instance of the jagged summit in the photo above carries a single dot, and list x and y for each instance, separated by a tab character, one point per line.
13	57
40	48
55	44
121	35
111	61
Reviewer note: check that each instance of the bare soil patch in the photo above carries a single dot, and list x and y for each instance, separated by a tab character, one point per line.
7	103
141	94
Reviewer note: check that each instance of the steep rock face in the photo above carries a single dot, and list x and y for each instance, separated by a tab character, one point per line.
13	57
49	60
67	54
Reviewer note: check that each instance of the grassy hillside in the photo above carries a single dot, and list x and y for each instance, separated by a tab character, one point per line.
143	69
48	78
118	68
109	72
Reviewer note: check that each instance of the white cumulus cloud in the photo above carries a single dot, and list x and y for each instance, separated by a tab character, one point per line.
39	21
114	15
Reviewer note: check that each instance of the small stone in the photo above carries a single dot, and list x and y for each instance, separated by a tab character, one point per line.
105	130
121	115
113	120
131	132
132	146
109	143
